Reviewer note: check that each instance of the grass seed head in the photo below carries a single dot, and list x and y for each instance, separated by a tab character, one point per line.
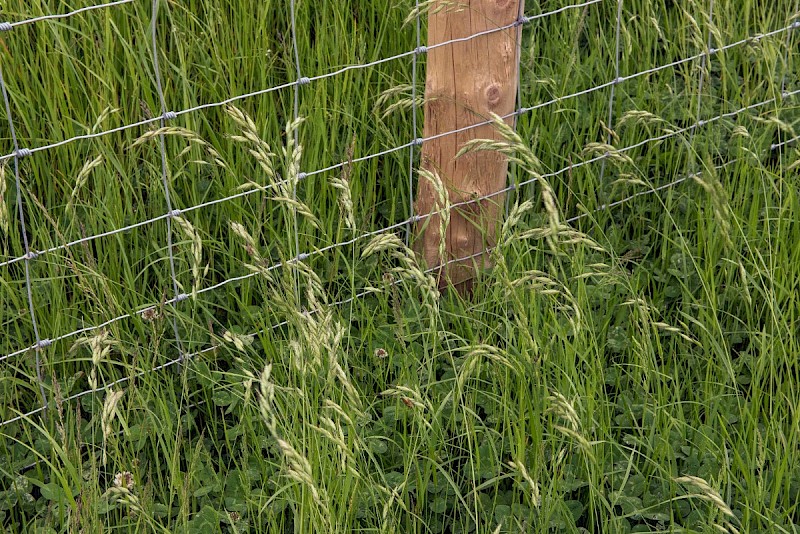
723	214
441	208
563	408
405	100
510	144
259	149
342	185
184	133
197	252
740	131
108	415
517	151
707	493
241	342
610	153
535	494
796	164
80	181
433	7
300	208
126	498
100	346
293	152
635	116
104	115
381	243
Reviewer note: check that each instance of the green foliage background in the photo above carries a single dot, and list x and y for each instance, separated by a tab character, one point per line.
636	371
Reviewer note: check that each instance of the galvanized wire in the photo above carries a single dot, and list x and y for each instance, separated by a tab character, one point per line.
612	91
164	176
8	26
300	80
213	347
518	102
414	142
18	154
703	69
296	132
414	112
419	217
786	59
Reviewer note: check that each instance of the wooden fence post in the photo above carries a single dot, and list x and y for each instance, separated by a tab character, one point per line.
466	81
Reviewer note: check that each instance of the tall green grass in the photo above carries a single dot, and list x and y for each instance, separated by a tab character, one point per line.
635	371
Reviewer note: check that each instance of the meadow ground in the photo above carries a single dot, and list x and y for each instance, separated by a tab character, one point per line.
632	370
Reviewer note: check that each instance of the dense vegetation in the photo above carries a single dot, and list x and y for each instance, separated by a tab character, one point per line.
633	370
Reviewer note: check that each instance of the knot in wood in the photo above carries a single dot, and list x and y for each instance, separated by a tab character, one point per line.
493	94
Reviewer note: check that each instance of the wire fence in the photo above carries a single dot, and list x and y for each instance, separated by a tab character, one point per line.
170	211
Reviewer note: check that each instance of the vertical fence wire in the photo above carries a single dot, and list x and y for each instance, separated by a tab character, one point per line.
613	90
164	176
414	111
296	116
525	110
704	66
19	153
789	35
789	38
518	105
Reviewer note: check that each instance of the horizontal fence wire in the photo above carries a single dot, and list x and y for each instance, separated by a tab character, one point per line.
401	224
342	164
8	26
170	115
776	146
361	294
413	219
